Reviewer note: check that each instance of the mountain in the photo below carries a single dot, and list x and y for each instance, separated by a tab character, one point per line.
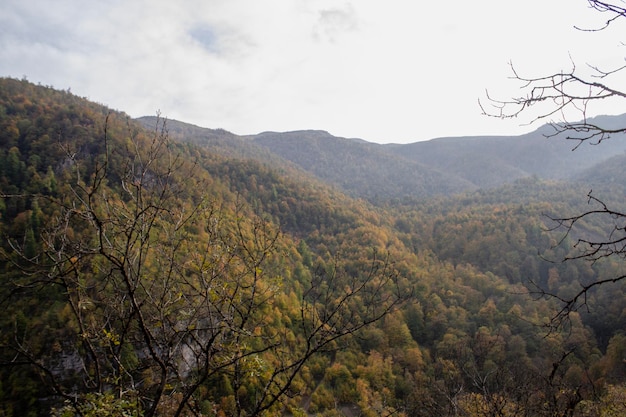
443	166
168	269
357	167
219	141
360	168
492	161
610	172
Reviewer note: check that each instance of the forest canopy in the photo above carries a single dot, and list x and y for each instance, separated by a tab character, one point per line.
151	273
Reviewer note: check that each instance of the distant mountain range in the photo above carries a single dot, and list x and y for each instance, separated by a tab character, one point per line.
441	166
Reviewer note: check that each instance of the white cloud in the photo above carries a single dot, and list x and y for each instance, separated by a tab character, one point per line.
383	71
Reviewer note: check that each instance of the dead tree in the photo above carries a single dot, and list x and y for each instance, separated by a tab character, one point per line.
164	294
563	99
560	97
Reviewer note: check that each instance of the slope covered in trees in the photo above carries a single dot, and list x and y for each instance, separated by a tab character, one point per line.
492	161
156	272
443	166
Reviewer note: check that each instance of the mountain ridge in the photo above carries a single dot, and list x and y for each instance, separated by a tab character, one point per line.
440	166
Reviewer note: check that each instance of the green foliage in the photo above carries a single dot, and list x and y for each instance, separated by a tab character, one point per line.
123	252
101	405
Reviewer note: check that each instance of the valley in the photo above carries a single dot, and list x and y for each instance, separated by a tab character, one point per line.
152	267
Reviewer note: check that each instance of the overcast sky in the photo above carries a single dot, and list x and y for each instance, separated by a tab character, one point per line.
384	71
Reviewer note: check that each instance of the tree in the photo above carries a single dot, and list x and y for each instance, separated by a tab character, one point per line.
156	294
569	94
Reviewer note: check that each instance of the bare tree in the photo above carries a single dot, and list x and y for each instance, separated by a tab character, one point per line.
565	93
558	98
164	294
588	247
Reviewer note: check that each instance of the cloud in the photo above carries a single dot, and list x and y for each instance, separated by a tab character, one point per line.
393	71
334	22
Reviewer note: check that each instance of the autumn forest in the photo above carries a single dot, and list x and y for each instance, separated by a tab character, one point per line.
155	268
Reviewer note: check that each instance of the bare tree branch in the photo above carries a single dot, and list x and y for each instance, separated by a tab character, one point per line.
558	96
166	294
612	9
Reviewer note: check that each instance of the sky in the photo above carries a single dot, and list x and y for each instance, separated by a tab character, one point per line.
385	71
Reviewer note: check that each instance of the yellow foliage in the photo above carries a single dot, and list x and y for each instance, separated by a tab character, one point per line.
477	405
111	337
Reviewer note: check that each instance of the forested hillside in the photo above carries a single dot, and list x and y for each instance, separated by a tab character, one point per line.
155	268
443	166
